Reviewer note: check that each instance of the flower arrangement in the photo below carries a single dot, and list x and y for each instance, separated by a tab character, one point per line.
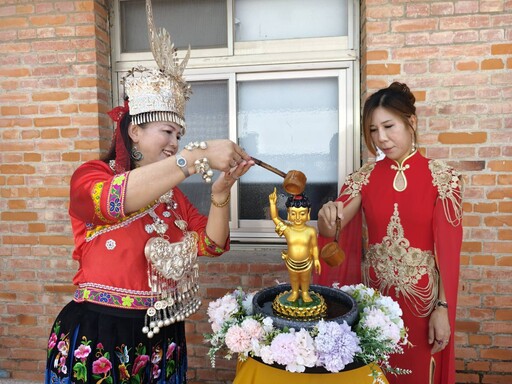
379	333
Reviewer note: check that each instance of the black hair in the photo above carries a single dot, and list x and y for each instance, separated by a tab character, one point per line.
298	201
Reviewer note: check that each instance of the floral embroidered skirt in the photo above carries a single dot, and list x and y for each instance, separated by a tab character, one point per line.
91	343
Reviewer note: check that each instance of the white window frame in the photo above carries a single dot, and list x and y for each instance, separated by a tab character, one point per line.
264	60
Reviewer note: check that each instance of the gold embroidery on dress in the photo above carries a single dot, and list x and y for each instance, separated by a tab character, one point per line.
449	186
356	180
399	266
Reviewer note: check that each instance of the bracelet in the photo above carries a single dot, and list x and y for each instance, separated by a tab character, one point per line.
220	205
441	303
203	167
196	144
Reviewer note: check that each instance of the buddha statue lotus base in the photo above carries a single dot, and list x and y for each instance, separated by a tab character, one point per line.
298	309
340	307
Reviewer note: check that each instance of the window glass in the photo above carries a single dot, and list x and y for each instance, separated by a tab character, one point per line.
292	124
207	118
198	23
289	19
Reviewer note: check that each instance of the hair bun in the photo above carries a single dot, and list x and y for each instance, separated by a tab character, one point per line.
404	89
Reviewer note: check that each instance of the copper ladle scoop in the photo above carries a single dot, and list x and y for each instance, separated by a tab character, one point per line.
294	181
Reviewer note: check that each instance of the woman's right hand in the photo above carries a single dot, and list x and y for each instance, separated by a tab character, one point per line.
224	155
327	216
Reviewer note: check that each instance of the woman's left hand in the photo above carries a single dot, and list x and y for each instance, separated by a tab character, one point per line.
439	329
226	180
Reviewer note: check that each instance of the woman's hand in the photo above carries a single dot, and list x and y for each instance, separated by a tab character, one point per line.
225	155
439	329
226	180
327	217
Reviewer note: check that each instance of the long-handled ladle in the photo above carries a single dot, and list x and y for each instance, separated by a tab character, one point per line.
294	181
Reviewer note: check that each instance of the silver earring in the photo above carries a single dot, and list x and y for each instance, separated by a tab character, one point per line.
136	155
413	146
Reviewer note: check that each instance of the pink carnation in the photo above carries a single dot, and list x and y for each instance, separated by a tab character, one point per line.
237	339
253	328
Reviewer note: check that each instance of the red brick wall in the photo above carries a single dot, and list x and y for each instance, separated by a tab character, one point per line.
55	90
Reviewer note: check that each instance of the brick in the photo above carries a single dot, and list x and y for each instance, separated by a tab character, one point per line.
500	165
41	21
383	69
52	121
377	55
501	49
50	96
462	137
496	354
492	64
479	340
483	260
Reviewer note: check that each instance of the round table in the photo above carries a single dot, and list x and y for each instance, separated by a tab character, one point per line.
252	371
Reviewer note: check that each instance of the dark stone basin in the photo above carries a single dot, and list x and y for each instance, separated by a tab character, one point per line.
340	306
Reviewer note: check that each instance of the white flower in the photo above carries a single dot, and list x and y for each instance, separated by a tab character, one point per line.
268	324
266	355
221	310
374	318
283	348
306	354
247	304
389	306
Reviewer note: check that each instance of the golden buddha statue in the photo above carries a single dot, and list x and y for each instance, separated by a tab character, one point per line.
302	252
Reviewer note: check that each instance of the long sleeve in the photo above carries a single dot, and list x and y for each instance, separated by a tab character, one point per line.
448	241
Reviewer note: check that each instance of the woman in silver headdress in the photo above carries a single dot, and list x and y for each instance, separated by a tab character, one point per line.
137	236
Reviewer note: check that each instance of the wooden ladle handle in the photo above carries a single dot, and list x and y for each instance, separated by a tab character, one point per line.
269	167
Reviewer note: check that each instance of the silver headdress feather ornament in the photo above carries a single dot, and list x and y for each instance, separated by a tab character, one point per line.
158	94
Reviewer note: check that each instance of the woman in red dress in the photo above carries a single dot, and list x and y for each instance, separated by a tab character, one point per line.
137	237
411	206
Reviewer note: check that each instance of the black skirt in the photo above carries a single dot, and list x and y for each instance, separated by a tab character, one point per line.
91	343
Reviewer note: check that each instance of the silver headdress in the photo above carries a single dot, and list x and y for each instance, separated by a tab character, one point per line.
158	94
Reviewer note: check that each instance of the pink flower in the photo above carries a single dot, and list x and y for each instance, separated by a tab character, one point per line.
156	371
82	352
63	347
99	346
237	339
52	341
170	350
139	363
102	365
253	328
62	365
